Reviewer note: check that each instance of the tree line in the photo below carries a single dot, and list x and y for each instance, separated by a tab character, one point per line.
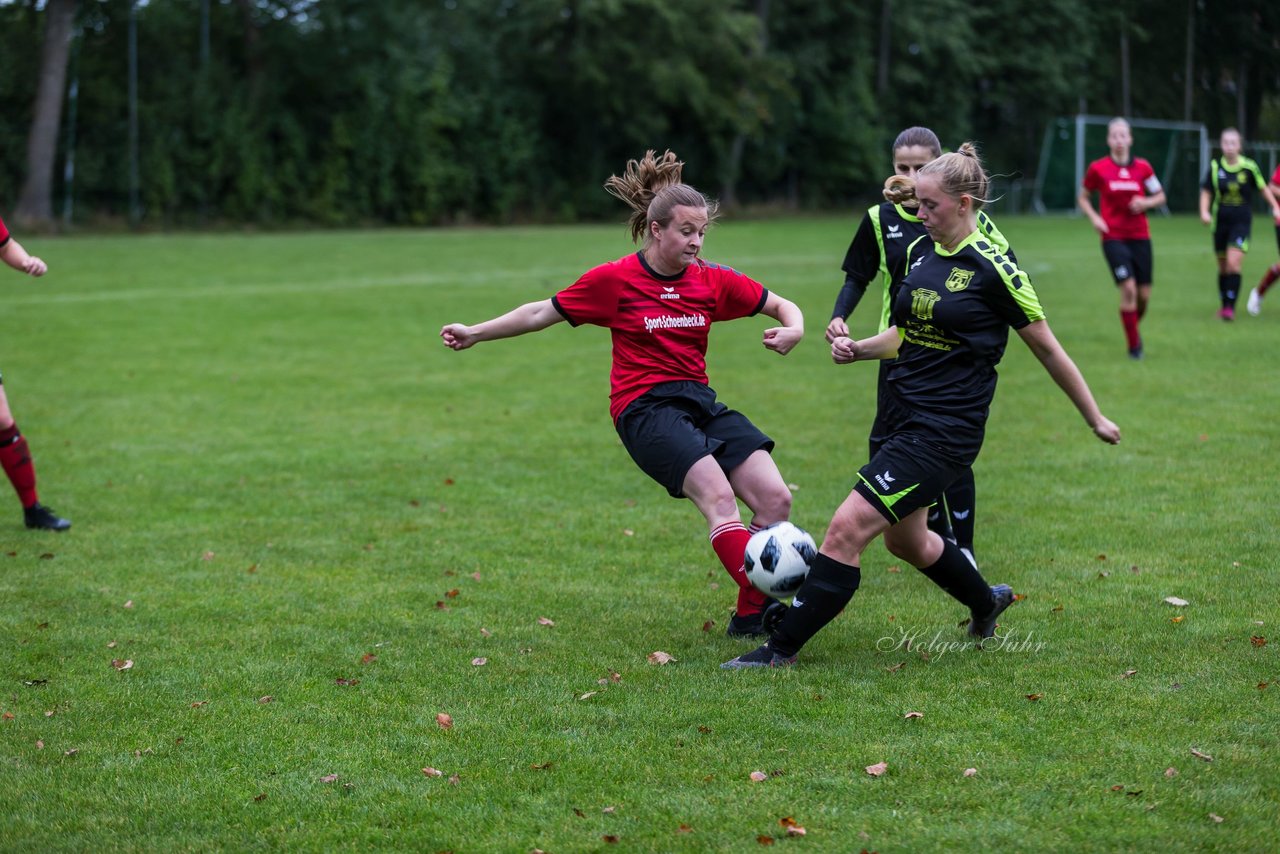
417	112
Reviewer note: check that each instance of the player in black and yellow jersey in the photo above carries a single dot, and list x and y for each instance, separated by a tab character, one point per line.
878	254
1226	204
951	321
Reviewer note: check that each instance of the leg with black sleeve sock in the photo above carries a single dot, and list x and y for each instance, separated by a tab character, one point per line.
960	498
824	594
958	576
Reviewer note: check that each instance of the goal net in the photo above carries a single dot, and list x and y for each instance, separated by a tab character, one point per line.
1177	151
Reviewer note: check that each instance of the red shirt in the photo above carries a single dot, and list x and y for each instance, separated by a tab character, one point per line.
1275	179
659	323
4	234
1115	185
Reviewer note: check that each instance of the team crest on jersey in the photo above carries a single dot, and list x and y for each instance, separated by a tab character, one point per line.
922	302
959	279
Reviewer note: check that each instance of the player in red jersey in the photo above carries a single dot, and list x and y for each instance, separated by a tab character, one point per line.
15	456
1273	272
659	304
1127	188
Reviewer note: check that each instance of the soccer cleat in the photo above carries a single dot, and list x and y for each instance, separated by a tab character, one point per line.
985	627
1135	353
43	518
1255	303
1227	313
750	625
759	657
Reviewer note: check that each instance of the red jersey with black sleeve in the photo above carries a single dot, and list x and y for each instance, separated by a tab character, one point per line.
659	323
1117	183
4	234
1275	181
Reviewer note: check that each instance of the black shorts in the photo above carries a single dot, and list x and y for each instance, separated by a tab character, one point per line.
1278	237
912	461
1231	229
1129	259
675	424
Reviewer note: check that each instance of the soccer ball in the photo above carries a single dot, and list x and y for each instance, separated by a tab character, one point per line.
778	558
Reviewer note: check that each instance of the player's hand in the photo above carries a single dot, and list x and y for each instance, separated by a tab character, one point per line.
1137	204
1101	225
1206	218
457	336
836	328
34	266
844	350
1107	431
782	339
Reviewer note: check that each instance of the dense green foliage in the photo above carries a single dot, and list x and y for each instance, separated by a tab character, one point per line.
339	112
276	472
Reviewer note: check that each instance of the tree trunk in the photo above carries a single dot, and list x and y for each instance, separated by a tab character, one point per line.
35	203
729	189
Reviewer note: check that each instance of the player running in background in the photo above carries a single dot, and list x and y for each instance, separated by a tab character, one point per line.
951	317
1127	188
1226	197
659	304
15	456
878	254
1273	272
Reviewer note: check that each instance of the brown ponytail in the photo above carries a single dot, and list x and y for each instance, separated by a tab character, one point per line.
651	187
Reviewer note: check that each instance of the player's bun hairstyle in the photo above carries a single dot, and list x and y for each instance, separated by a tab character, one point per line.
960	173
901	190
651	187
920	136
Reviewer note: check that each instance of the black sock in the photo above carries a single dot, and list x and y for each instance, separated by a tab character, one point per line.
939	519
955	574
829	587
959	500
1230	289
1222	289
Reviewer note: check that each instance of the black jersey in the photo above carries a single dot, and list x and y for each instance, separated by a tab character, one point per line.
954	311
1233	186
879	253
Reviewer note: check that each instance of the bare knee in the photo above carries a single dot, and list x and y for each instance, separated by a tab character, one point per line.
774	504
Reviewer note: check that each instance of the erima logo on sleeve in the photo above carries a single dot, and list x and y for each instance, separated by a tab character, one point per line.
894	231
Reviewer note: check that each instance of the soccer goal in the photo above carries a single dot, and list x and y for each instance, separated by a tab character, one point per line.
1177	151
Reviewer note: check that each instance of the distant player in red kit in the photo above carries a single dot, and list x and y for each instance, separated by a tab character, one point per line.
15	456
659	304
1273	272
1127	188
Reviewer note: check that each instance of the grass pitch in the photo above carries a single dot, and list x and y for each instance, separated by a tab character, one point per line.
319	536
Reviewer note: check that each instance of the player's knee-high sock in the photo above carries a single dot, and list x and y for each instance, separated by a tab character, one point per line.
961	496
1268	278
1129	318
1230	289
15	458
730	542
955	574
1222	289
828	588
939	519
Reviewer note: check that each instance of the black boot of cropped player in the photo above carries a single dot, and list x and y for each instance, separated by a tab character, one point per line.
39	517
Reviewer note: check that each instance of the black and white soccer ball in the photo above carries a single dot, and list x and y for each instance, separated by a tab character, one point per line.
778	558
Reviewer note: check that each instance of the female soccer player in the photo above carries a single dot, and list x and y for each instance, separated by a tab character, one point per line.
659	303
15	456
1127	188
1273	272
878	253
951	320
1229	186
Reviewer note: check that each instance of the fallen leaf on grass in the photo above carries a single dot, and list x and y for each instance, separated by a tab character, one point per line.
329	778
1217	819
969	772
1258	640
479	662
910	715
660	657
758	776
444	721
343	681
1054	610
792	826
475	576
684	828
262	701
485	632
367	658
1175	601
8	716
708	625
39	744
1171	772
627	532
764	840
259	798
432	772
129	604
50	713
441	606
543	621
895	568
208	556
896	667
453	780
878	769
111	645
1198	755
452	594
610	838
1177	619
1034	697
1018	597
1127	674
122	663
72	752
588	695
198	703
1101	557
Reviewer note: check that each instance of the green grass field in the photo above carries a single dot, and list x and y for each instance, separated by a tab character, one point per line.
304	521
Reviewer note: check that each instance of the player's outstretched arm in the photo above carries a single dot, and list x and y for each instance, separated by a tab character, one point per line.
1205	198
846	351
783	339
16	257
1272	200
1085	203
530	317
1041	340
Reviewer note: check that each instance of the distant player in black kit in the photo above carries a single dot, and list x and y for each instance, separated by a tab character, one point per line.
878	254
1226	199
952	317
15	456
